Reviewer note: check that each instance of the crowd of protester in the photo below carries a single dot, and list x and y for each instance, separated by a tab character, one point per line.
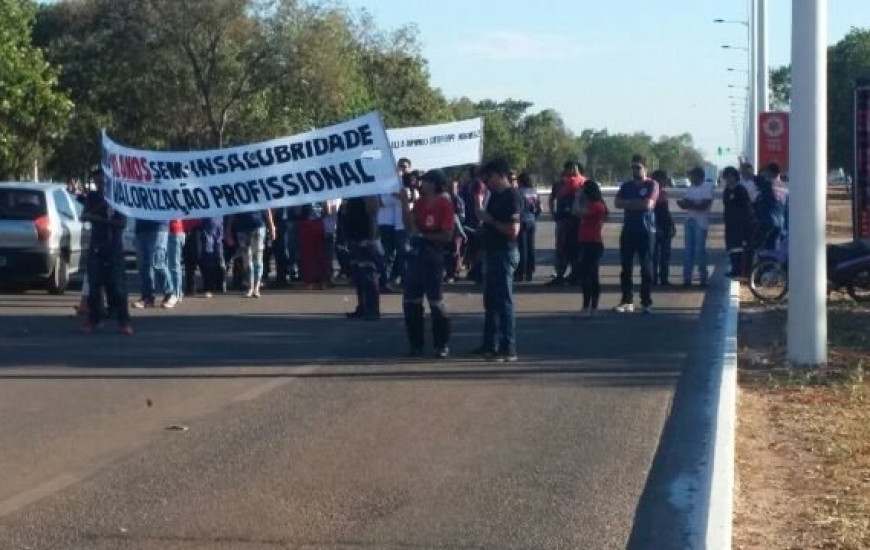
426	235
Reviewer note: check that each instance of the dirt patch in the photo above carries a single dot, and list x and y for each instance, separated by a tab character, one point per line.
803	441
839	215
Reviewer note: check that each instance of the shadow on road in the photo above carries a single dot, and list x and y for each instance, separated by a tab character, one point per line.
611	349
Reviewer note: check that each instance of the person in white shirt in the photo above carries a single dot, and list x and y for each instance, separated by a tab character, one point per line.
330	226
697	202
747	180
391	229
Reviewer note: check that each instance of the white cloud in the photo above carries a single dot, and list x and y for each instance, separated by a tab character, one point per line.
521	46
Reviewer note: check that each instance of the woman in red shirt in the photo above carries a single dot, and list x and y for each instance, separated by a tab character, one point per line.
430	225
593	213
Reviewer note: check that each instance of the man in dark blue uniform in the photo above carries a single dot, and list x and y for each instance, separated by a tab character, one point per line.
637	198
105	259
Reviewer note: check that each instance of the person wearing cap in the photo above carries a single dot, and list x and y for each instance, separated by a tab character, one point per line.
697	202
360	229
431	225
637	197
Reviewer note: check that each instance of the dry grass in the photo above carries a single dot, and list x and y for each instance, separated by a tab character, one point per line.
803	442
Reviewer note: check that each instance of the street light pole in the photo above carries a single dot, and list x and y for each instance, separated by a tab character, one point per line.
807	304
750	144
761	83
752	123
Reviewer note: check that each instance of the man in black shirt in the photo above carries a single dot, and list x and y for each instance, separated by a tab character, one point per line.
105	259
360	230
500	229
738	219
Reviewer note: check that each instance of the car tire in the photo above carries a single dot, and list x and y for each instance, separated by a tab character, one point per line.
59	278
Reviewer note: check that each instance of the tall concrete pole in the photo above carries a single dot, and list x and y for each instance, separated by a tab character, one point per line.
761	75
807	308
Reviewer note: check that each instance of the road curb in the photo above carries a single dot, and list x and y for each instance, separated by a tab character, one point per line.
719	497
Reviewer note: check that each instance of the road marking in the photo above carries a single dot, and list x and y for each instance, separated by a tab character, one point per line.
261	389
39	492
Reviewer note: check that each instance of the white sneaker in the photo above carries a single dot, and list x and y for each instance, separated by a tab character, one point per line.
250	293
624	308
170	302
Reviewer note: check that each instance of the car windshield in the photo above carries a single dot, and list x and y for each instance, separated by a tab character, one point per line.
21	204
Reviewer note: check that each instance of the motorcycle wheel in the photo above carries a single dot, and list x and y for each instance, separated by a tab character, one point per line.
768	281
859	287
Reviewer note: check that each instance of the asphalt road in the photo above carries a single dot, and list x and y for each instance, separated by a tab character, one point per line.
307	430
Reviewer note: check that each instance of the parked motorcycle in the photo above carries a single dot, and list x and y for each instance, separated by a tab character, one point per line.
848	266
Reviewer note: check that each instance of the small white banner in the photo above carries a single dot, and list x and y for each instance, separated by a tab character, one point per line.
439	145
350	159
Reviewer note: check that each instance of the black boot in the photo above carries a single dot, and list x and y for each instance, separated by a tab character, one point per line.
414	324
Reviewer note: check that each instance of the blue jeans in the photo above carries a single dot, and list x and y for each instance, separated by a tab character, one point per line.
386	262
151	255
498	300
696	252
252	244
365	278
174	249
286	250
640	244
106	273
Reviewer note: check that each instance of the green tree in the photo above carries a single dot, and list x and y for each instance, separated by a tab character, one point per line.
780	88
502	128
32	109
317	67
223	52
548	143
675	154
398	76
848	60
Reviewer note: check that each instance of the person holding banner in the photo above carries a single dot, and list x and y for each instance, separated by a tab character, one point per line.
391	229
360	230
152	239
251	230
431	225
105	269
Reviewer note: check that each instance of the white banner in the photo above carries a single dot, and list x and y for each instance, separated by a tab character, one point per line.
439	145
350	159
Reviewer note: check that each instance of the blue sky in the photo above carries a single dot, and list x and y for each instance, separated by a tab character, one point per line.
626	65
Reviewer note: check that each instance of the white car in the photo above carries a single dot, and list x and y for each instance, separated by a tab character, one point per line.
682	183
43	240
